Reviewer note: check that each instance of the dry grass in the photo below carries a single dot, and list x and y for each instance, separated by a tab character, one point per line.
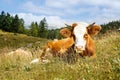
105	67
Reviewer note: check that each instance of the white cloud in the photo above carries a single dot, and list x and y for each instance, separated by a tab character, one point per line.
104	18
53	21
68	4
63	4
31	7
58	12
29	17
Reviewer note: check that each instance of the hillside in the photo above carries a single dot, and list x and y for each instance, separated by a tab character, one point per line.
105	67
12	41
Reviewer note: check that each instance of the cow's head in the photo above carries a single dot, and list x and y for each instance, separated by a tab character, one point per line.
81	31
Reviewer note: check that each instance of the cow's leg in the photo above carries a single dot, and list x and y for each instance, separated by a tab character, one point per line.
41	58
91	52
44	52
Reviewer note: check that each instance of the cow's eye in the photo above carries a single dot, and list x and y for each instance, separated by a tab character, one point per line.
85	36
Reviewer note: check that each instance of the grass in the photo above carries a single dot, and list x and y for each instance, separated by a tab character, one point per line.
12	41
105	67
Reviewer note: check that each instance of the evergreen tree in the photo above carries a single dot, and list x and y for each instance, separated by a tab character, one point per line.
34	29
21	28
15	24
2	19
51	34
114	25
43	28
8	22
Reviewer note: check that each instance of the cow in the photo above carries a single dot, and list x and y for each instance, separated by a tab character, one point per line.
79	37
82	34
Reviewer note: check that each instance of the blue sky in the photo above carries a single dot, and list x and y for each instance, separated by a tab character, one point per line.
58	12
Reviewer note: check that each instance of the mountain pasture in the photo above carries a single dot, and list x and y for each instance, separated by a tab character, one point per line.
106	66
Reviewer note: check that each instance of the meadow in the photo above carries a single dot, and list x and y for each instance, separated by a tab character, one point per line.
106	66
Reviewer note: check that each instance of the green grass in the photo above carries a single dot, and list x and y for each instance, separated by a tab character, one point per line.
11	41
105	67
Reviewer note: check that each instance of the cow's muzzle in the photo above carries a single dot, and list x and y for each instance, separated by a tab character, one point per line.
79	49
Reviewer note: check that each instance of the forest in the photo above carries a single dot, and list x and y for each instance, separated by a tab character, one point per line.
16	25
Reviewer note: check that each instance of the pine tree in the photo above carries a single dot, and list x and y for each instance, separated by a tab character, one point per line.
15	24
34	29
21	28
43	28
8	22
2	19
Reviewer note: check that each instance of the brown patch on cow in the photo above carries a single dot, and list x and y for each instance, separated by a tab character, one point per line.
90	46
58	47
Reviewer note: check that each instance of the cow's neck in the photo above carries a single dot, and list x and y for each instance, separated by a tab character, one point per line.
69	41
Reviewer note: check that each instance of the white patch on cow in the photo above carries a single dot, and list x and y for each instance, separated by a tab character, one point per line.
79	32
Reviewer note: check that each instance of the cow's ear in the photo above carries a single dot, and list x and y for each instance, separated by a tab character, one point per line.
65	32
93	29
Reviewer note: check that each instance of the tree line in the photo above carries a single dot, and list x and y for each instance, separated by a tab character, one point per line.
16	25
114	25
11	24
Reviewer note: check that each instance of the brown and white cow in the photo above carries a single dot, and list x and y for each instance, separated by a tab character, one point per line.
82	34
79	36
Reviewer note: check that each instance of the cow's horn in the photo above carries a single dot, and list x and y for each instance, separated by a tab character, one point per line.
91	24
68	25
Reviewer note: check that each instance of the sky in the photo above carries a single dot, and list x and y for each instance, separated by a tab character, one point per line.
59	12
